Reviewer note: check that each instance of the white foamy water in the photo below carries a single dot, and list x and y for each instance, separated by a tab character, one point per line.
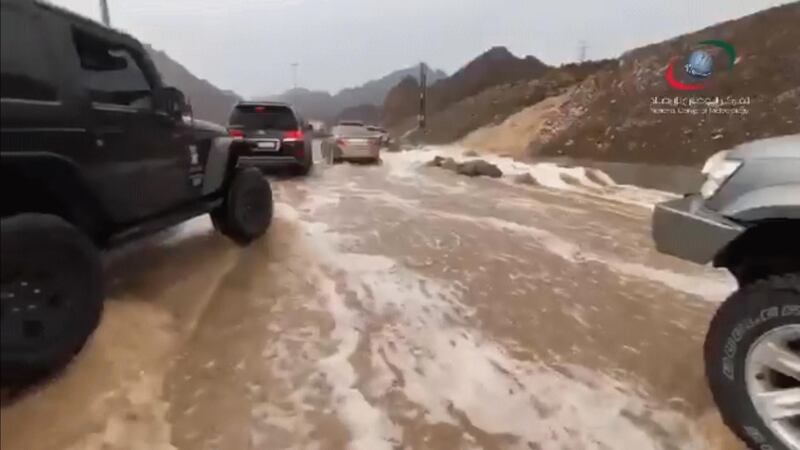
712	286
588	181
425	347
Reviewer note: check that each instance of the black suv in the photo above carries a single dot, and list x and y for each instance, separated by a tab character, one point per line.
95	151
276	137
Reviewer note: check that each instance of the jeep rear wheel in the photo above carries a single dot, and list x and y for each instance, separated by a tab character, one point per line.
752	354
51	294
246	212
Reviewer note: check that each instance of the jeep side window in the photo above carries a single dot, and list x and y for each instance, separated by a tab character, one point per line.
26	73
111	74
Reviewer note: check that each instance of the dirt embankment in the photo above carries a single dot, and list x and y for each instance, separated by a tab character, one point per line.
619	124
607	114
532	124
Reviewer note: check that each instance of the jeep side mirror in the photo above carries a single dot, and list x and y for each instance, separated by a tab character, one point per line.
171	102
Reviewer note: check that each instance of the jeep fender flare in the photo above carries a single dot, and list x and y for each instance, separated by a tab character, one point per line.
55	185
222	158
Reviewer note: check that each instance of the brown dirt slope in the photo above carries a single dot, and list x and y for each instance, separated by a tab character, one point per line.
614	105
512	137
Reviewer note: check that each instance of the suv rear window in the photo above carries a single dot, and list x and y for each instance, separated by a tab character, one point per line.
255	117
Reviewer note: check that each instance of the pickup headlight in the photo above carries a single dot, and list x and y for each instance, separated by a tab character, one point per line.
717	170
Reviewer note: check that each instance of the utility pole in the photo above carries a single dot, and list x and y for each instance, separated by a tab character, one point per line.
582	51
294	82
423	87
104	13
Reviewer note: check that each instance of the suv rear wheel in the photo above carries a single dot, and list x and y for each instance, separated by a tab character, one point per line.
51	293
306	166
752	355
246	212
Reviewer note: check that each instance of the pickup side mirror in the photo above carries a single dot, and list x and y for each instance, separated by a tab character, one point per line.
171	102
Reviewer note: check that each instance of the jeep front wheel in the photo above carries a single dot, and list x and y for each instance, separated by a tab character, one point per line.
752	355
246	212
51	294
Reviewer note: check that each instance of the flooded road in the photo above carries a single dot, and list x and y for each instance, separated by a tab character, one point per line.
398	307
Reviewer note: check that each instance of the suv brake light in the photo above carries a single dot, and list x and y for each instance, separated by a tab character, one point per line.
235	133
294	135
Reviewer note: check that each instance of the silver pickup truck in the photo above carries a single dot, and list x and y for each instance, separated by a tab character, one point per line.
746	219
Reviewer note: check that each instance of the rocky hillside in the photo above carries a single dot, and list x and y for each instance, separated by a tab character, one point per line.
609	116
402	103
489	107
374	92
208	101
324	106
497	66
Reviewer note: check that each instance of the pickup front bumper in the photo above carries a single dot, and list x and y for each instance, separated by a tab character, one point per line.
686	229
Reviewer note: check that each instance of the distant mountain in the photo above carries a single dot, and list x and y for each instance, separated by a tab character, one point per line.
374	92
369	114
324	106
208	101
494	67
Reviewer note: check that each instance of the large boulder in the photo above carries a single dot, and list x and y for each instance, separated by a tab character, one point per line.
478	168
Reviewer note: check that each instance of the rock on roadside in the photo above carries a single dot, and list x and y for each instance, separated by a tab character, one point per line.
478	168
474	168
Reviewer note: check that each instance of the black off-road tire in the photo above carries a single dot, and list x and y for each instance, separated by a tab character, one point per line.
246	212
746	315
52	294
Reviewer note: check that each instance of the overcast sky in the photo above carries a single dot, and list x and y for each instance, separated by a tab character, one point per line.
249	45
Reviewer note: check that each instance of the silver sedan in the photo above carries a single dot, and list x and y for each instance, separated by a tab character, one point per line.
352	143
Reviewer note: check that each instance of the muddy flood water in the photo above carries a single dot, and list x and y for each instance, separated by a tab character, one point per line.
398	306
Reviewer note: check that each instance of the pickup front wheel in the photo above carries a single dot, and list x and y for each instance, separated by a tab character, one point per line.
51	294
752	354
246	212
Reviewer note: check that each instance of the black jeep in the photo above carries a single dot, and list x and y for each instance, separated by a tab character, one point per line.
95	151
